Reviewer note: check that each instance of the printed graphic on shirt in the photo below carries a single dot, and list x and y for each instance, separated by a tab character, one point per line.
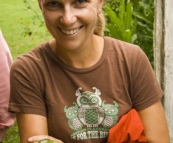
90	117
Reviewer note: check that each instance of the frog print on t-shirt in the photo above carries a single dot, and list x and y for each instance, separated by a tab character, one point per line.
90	117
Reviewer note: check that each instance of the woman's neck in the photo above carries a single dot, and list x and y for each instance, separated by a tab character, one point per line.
83	57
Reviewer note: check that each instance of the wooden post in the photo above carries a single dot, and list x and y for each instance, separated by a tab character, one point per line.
163	54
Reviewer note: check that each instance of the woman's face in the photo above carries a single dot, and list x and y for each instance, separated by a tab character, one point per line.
71	22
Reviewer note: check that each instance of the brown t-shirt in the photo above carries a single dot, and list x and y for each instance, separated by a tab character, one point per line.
81	105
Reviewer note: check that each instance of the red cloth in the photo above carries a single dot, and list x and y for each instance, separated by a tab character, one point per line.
128	130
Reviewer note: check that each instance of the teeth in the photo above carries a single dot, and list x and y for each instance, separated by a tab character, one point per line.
70	32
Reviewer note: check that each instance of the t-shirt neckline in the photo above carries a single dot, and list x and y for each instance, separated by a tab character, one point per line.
79	70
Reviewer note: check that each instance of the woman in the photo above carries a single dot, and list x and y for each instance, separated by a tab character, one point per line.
75	87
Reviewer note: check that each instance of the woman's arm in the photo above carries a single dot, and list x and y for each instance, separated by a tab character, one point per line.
154	121
33	128
31	125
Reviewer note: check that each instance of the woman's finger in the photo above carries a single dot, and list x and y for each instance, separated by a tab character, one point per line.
42	137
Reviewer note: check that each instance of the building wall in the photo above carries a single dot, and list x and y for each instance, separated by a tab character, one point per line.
163	54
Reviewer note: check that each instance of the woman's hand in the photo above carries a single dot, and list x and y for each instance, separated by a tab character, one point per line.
36	139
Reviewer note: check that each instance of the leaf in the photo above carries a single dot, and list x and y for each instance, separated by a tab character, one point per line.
115	32
142	17
121	11
134	38
127	35
113	17
128	18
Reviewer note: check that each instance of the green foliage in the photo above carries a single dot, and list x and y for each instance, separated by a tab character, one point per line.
131	21
144	14
15	19
12	135
119	24
36	19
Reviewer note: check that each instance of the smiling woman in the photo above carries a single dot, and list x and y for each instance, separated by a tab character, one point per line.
78	85
72	23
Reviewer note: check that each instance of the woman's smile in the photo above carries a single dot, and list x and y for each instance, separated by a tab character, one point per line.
70	31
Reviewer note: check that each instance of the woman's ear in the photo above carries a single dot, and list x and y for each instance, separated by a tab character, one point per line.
100	5
101	2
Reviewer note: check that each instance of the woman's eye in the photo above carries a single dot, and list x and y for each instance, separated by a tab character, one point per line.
81	1
53	5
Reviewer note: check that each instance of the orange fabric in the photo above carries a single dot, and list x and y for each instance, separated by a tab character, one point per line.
128	130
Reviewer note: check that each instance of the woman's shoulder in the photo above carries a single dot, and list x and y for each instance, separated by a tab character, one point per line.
32	58
122	48
34	54
119	44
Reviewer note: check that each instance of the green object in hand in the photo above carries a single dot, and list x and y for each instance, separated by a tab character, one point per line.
47	141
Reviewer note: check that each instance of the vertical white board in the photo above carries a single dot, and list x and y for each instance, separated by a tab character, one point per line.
163	54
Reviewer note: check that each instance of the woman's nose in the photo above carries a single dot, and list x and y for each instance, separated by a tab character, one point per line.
68	17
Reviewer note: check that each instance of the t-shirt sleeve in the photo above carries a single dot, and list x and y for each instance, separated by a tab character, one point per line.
145	88
27	95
